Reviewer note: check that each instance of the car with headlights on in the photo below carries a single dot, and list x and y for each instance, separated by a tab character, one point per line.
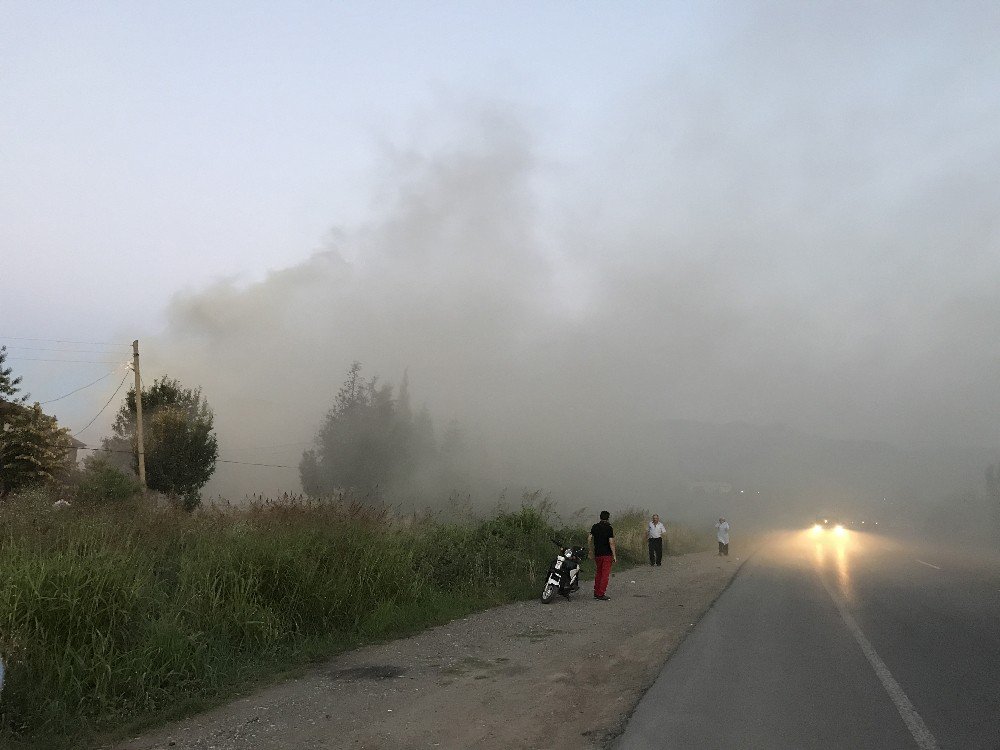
828	524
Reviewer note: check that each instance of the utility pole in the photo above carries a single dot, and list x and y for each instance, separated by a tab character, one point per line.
138	415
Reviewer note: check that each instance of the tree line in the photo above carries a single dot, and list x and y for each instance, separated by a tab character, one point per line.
371	440
179	444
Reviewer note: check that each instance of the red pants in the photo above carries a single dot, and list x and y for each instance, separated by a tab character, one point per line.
603	573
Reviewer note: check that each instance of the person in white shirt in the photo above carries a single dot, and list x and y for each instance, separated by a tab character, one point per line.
722	534
654	536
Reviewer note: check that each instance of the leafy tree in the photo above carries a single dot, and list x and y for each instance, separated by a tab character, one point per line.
9	386
180	446
369	439
353	442
33	447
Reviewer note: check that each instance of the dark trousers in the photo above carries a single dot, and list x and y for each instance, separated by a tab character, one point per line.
655	551
724	548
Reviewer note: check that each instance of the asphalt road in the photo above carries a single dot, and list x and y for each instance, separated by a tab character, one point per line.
836	641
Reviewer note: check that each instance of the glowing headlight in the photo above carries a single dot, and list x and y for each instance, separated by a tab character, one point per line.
816	528
838	529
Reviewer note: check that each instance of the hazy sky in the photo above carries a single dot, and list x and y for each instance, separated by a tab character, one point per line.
556	215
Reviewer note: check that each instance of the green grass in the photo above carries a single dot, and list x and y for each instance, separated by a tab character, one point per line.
116	616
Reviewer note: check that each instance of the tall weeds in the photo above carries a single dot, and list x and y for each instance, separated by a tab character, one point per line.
114	615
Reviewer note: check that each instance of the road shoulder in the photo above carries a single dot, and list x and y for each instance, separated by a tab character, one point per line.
525	675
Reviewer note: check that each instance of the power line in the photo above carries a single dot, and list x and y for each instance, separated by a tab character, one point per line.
103	407
96	362
247	463
57	349
63	341
53	400
218	460
69	361
250	448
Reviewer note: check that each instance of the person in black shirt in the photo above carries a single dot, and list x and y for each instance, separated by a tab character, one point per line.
603	552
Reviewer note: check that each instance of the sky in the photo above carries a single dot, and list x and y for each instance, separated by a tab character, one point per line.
560	219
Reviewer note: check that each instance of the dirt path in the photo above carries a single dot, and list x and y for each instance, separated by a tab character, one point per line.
520	676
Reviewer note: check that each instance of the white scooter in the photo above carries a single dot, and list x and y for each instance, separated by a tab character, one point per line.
564	572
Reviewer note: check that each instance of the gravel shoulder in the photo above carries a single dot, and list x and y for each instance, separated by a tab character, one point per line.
524	675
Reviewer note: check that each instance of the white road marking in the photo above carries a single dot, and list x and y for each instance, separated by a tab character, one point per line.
929	565
921	734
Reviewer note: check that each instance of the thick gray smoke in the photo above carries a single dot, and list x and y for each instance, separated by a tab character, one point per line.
744	244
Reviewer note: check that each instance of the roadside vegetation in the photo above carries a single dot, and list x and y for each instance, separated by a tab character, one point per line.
117	614
119	611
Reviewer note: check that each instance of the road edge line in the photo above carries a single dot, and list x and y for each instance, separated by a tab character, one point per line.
918	729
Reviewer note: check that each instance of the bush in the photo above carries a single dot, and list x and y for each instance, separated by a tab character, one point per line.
101	481
681	540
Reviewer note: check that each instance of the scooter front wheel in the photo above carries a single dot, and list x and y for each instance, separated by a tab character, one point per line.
549	592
